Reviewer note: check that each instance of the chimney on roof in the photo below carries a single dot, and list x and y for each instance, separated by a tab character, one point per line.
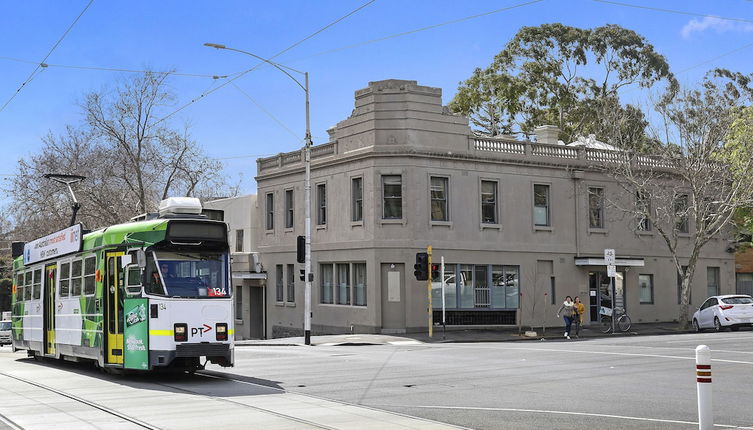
547	134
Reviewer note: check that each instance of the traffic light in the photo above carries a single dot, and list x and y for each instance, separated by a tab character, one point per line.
301	249
303	274
421	268
434	271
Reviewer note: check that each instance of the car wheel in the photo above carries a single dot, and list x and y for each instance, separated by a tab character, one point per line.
718	324
696	327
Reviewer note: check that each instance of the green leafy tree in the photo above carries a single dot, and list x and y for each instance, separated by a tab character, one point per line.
561	75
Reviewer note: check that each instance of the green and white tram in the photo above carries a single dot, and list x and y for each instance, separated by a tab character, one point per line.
142	295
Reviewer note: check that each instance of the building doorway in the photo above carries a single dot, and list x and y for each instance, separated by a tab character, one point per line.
600	292
393	297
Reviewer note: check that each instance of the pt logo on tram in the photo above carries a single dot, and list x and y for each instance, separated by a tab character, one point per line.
200	330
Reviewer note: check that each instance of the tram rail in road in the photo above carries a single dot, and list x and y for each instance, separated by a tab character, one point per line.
160	401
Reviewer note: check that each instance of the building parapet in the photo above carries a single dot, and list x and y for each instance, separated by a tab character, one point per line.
285	159
503	148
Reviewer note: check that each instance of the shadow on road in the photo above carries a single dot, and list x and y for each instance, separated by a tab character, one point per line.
203	383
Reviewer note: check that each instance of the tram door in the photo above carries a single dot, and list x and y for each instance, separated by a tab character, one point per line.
49	308
114	302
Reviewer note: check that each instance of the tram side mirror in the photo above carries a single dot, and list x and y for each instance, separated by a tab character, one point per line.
141	258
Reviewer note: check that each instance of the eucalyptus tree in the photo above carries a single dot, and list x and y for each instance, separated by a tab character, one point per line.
560	75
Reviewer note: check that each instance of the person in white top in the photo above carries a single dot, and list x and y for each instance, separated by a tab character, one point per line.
567	310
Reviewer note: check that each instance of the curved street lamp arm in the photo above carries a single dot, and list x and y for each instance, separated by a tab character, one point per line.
279	67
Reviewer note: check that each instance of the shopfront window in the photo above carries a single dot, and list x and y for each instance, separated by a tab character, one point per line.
478	286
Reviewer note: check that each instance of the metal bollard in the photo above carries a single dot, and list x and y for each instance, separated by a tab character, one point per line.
703	380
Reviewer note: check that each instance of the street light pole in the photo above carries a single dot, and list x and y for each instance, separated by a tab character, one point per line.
307	225
306	185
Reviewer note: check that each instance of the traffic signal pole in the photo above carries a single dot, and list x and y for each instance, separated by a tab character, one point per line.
428	290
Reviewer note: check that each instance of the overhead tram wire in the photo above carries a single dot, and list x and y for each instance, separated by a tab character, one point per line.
717	57
202	95
680	12
357	45
41	64
117	69
430	27
274	118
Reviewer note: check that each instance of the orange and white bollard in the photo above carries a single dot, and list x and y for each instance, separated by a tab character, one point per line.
703	380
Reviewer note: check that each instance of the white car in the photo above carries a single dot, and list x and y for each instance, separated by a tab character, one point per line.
5	332
720	312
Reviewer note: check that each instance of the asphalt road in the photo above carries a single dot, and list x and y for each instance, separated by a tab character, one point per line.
619	383
645	382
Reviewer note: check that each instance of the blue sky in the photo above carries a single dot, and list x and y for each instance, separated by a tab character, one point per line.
164	35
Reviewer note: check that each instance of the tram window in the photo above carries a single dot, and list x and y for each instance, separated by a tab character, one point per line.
36	293
189	274
65	282
27	290
76	278
90	265
20	287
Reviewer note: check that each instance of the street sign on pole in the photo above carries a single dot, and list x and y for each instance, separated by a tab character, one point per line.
609	257
611	271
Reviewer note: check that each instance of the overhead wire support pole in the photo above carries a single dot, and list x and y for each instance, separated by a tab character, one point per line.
307	192
308	276
428	290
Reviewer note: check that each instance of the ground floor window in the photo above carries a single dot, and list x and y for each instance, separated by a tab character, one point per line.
745	283
343	283
477	286
646	284
238	297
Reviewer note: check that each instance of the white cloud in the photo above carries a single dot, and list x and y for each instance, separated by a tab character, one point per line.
719	25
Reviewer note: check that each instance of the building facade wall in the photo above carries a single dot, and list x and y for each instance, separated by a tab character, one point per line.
400	128
249	287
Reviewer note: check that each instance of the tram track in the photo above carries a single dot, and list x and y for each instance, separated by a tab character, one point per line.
89	403
146	425
256	408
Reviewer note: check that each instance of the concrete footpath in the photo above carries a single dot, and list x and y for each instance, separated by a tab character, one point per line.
466	334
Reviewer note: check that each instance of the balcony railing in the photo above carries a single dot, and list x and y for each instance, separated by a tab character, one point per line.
295	157
486	147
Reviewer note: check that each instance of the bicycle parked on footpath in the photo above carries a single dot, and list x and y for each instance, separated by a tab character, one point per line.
622	323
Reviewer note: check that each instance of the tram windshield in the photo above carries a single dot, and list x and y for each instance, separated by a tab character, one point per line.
187	274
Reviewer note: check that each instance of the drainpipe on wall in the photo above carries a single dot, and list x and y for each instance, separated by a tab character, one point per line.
576	175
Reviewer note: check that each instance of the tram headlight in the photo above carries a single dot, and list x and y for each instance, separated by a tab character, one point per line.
180	332
221	330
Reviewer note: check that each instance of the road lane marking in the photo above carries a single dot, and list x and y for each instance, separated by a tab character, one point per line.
544	411
627	354
678	348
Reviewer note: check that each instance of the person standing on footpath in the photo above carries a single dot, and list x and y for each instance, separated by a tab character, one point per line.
580	309
567	310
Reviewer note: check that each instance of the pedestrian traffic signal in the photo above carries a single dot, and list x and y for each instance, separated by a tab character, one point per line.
303	274
421	268
434	271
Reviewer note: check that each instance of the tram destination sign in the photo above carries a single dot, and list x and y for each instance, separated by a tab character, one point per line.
53	245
